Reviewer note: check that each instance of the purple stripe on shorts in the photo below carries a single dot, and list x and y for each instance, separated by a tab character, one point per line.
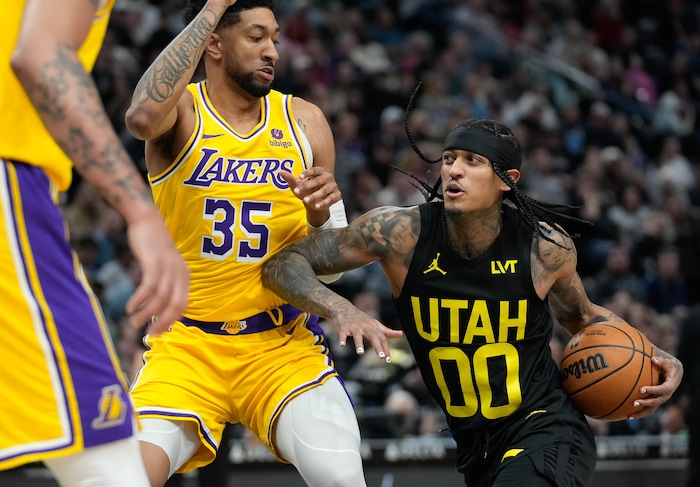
178	415
105	410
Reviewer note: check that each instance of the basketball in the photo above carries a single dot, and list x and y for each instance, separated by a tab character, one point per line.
603	368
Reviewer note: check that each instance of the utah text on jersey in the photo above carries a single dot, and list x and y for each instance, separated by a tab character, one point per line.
469	321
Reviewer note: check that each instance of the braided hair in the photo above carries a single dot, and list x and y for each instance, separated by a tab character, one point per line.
504	152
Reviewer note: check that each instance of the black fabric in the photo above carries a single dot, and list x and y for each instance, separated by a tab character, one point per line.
480	335
491	146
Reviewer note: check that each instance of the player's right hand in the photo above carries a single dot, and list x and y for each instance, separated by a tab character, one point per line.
352	322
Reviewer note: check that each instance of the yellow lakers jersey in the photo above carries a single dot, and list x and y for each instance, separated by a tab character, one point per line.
23	137
228	209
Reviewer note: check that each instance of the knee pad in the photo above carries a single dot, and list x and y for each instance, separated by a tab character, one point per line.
178	439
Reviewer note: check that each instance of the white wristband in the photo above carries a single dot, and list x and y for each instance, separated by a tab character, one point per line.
338	219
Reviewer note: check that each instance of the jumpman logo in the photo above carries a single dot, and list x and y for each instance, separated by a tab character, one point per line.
434	266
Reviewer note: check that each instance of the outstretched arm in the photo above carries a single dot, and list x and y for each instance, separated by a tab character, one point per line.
292	272
554	273
46	63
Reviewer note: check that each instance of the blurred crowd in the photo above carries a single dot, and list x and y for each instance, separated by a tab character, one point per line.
602	94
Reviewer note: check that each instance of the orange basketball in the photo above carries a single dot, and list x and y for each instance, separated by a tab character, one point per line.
603	368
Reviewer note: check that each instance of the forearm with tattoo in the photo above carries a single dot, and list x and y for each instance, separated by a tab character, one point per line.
68	103
334	251
178	60
291	277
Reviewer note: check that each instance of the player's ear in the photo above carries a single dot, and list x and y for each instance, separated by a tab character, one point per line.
212	46
514	175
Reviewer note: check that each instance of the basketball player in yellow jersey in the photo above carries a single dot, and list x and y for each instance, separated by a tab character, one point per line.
64	399
240	171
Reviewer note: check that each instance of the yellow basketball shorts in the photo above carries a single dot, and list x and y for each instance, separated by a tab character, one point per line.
217	373
62	386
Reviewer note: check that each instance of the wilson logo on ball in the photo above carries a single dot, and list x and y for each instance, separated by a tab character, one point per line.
588	365
605	366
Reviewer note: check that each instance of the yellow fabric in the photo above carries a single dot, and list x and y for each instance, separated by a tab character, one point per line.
49	343
23	135
211	379
513	452
227	208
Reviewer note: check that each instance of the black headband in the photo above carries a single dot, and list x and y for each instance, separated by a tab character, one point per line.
486	144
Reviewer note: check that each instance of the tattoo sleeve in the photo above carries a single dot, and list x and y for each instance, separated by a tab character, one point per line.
567	296
291	273
178	61
69	104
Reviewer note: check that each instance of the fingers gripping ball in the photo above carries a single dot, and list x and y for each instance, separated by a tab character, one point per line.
603	368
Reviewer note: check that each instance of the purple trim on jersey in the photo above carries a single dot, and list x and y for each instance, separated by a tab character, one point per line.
79	330
210	109
186	152
288	114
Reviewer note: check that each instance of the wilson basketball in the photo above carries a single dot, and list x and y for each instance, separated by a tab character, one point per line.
604	367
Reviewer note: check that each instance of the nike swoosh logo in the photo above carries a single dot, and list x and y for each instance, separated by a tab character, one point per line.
211	136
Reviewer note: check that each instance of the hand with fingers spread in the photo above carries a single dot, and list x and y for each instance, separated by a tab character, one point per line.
352	322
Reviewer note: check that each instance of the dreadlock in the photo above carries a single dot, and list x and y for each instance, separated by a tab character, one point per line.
533	211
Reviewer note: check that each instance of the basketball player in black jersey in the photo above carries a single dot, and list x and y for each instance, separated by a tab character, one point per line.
474	279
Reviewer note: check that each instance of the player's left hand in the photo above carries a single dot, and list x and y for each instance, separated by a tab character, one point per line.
316	187
670	375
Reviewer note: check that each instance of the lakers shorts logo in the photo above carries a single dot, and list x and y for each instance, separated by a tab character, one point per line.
112	407
234	327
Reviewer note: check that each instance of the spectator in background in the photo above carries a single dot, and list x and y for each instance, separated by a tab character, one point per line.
617	276
598	126
403	411
543	179
664	285
675	111
672	173
629	214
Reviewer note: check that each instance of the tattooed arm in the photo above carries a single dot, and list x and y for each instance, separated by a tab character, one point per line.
385	234
554	274
153	109
46	63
